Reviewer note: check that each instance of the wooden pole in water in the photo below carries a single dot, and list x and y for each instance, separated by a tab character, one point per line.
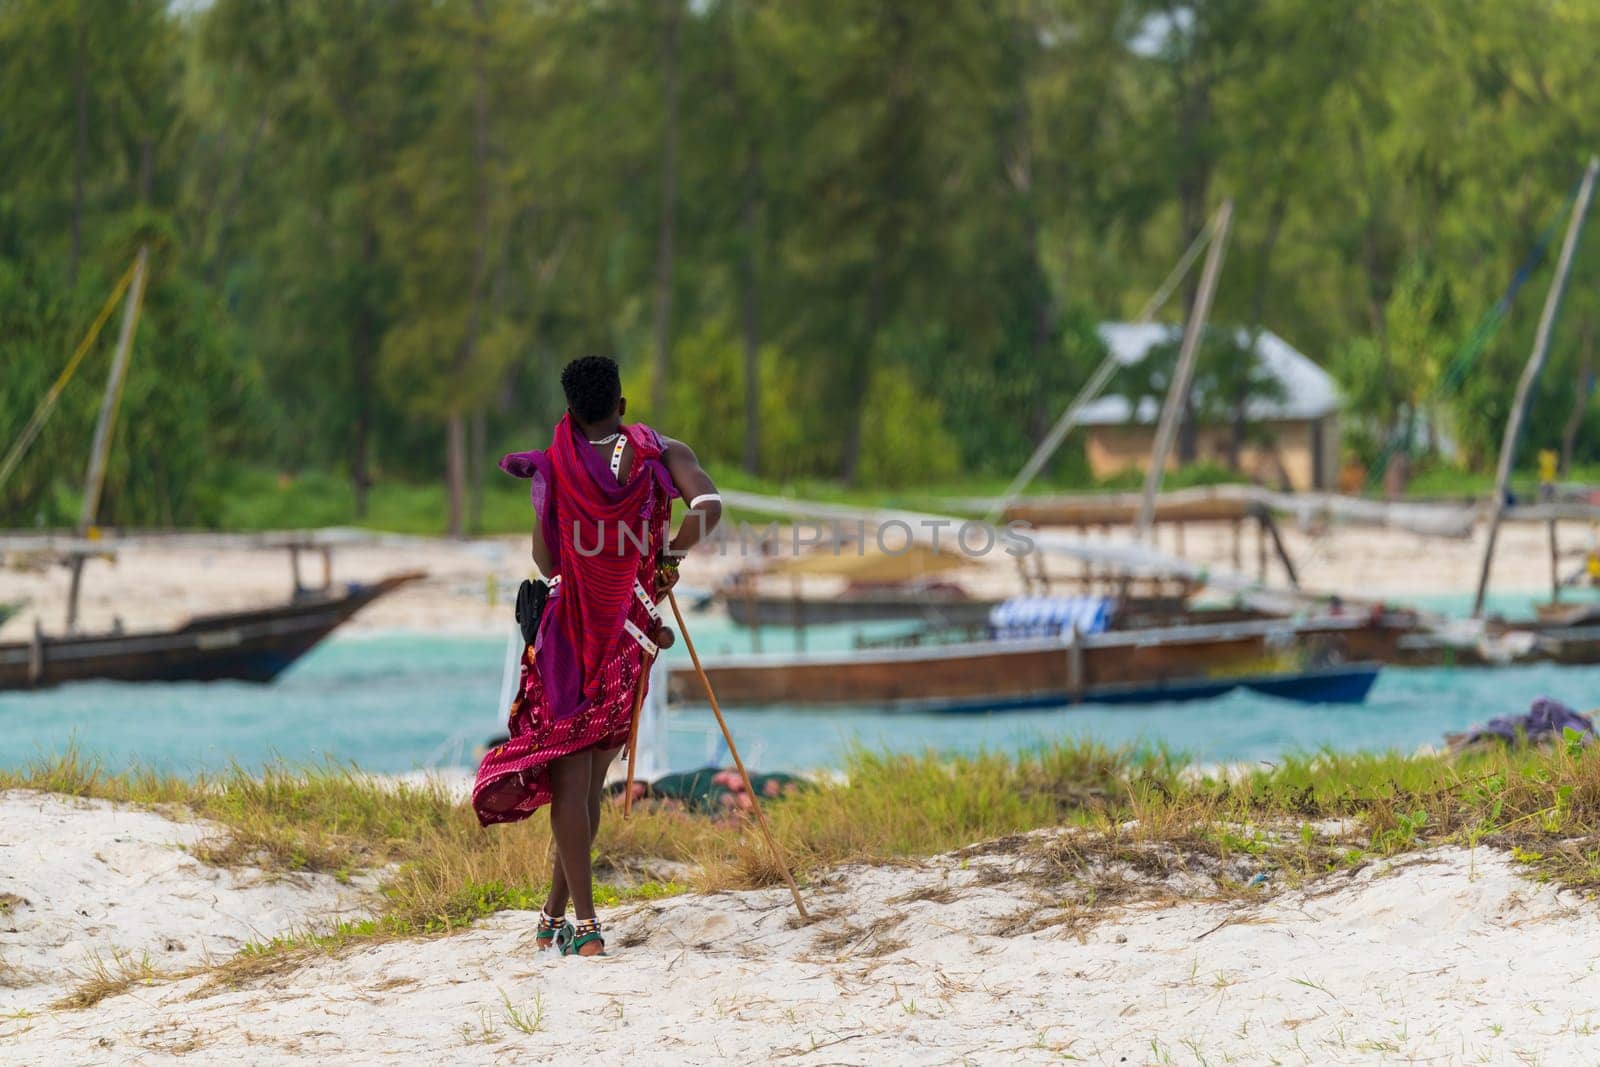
1261	550
755	801
1555	566
1530	374
1271	526
1178	391
1086	575
798	609
753	608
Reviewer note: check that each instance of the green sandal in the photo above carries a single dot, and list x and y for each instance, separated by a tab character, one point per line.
571	937
549	926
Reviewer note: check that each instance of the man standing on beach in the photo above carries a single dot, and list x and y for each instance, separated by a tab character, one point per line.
602	500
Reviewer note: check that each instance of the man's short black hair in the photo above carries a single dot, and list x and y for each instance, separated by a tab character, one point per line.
593	387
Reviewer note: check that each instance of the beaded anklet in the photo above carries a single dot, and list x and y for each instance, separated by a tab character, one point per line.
582	933
545	935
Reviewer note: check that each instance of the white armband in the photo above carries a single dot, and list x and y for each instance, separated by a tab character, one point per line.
704	498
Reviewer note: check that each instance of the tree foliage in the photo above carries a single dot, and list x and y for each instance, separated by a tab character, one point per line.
381	226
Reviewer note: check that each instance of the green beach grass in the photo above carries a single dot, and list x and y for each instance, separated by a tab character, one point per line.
443	870
1140	808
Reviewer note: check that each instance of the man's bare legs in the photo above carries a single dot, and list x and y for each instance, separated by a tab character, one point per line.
577	783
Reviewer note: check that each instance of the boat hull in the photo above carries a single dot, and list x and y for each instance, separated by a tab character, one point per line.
1397	639
247	646
1349	684
1187	663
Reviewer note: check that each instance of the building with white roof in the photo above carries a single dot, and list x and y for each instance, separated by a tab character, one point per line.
1294	440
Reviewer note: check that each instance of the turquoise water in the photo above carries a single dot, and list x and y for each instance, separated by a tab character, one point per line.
396	702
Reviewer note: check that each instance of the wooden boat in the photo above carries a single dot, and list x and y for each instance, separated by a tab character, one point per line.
1285	659
1394	637
871	585
249	646
1402	638
940	605
903	588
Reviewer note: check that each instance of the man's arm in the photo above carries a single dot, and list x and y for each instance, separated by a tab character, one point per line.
694	485
541	551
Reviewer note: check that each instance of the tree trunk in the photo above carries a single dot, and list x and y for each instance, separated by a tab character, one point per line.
1258	311
363	356
1042	412
856	379
458	464
1016	145
1397	472
478	445
1238	424
1194	190
1581	392
455	463
850	448
892	146
667	237
147	168
1372	258
230	203
750	311
80	149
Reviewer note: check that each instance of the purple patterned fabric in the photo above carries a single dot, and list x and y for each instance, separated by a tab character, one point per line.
1546	718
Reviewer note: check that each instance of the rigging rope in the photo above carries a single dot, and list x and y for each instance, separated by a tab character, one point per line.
1466	358
47	404
1099	379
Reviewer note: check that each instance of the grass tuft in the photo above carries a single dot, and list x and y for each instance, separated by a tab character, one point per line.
108	978
529	1020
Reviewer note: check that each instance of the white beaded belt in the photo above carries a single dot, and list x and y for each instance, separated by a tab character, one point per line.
649	646
644	598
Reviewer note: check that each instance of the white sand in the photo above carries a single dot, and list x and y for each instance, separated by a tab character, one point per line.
99	881
1449	957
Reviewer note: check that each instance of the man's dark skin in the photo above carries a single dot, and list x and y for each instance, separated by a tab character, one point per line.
577	781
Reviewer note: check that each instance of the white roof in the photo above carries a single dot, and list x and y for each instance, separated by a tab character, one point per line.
1308	390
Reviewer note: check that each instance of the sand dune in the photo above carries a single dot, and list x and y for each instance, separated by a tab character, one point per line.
1448	957
87	884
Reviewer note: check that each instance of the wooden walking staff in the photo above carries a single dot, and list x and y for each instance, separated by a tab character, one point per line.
755	801
645	663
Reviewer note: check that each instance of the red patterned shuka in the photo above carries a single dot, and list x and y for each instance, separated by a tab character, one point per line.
576	690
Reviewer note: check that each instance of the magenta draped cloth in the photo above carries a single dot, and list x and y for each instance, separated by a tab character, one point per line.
578	679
